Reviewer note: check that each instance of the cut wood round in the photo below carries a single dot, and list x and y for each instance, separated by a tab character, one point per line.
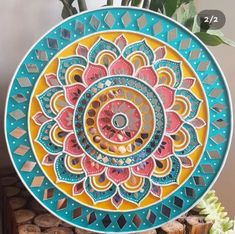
197	225
47	221
35	206
11	191
17	203
149	232
24	216
174	227
59	230
64	224
81	231
29	229
8	180
25	193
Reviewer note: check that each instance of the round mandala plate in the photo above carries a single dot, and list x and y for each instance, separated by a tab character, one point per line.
118	120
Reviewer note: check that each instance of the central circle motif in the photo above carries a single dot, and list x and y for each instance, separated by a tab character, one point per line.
120	126
119	121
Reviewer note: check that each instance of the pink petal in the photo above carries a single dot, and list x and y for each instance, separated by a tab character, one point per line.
156	190
121	67
65	119
145	168
174	122
73	93
82	50
118	175
198	123
48	160
187	83
167	95
91	167
94	72
121	42
71	146
160	52
186	162
165	149
51	80
39	118
78	189
148	75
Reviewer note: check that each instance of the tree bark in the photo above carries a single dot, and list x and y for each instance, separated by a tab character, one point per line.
82	5
146	4
125	2
109	2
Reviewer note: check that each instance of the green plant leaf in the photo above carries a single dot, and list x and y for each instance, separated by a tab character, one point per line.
209	39
170	7
137	3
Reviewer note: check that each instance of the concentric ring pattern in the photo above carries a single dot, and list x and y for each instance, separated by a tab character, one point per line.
118	120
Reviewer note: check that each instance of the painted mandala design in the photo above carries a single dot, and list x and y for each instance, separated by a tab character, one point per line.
118	121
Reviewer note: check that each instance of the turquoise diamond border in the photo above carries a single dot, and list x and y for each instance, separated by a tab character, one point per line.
163	29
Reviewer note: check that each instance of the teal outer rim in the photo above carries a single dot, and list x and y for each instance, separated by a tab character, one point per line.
222	148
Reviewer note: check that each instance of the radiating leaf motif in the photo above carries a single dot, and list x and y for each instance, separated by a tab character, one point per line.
148	75
71	146
78	189
167	95
172	177
117	200
66	63
92	167
94	72
45	99
160	53
187	83
140	46
65	119
193	144
175	67
121	67
101	45
198	123
186	162
165	149
138	196
73	92
98	196
44	140
194	103
39	118
145	168
121	42
63	175
48	160
51	80
156	190
82	51
174	122
118	175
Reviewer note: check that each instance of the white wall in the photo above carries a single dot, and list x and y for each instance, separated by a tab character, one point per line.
22	22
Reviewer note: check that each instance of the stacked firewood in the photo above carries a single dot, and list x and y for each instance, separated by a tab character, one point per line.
22	214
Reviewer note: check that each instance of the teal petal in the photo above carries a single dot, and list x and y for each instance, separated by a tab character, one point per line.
45	99
194	102
98	196
174	66
141	46
66	63
100	46
193	144
136	197
172	177
63	174
44	140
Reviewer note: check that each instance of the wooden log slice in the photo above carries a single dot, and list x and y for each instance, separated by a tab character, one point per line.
24	216
149	232
36	207
17	203
47	221
8	180
59	230
81	231
174	227
25	193
11	191
64	224
29	229
197	225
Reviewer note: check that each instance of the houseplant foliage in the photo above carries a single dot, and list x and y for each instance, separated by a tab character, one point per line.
183	11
